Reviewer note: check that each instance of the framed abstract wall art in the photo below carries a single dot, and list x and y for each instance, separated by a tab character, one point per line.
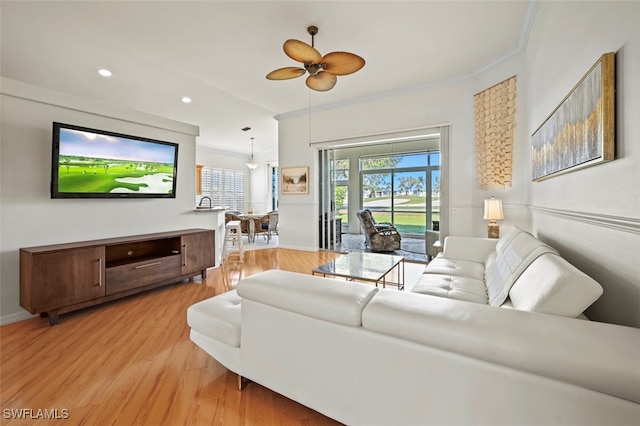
294	180
580	132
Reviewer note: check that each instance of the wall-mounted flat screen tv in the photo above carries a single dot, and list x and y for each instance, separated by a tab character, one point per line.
91	163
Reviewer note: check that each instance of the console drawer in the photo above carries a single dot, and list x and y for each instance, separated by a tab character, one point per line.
137	274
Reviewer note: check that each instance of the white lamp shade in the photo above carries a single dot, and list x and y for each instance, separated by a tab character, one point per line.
493	209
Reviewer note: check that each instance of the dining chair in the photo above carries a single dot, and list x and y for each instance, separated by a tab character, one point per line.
267	225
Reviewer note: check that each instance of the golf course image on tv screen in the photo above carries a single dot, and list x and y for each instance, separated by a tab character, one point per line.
90	162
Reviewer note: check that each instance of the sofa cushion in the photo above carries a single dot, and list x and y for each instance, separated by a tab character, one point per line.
514	253
552	285
459	288
218	318
455	267
328	299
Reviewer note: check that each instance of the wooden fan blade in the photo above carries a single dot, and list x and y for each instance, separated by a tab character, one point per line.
341	63
322	81
285	73
301	52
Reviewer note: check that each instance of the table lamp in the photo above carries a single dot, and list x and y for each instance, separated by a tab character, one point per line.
493	212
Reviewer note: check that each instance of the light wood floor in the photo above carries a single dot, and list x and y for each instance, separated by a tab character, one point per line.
130	362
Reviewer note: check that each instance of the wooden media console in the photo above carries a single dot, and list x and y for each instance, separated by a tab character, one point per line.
60	278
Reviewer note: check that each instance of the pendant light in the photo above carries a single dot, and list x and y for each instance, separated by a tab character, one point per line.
251	165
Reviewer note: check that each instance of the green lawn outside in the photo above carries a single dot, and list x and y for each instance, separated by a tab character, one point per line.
409	219
409	215
405	222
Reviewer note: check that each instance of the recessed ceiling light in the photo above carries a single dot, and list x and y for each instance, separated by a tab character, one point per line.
104	72
186	99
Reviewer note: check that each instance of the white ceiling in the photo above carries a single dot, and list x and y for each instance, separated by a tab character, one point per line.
218	53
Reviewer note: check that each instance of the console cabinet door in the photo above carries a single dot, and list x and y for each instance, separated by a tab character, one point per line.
66	277
197	252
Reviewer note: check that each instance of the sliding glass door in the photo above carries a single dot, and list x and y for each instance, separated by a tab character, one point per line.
403	182
433	220
377	195
401	189
410	201
331	179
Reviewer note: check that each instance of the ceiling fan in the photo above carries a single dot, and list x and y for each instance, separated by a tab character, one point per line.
322	69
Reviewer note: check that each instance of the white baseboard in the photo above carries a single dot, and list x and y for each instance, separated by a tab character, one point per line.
18	316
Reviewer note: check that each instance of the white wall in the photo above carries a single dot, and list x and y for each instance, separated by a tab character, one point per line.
298	214
29	217
592	215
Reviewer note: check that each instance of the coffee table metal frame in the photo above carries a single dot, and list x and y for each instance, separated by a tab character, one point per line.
364	266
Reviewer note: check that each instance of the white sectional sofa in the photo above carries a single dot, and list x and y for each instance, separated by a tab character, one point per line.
369	356
517	271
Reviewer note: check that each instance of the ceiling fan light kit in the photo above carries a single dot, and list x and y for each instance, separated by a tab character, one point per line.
323	70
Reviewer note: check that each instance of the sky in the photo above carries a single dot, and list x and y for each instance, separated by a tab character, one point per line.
88	144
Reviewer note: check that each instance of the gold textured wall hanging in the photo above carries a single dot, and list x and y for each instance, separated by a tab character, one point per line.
495	112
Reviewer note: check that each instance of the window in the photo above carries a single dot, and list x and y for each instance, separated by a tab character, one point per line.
342	203
341	190
398	180
341	170
274	187
225	187
403	189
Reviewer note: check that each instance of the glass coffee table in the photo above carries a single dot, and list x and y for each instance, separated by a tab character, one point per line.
371	267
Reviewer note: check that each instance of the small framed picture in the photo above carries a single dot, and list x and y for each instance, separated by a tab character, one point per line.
294	180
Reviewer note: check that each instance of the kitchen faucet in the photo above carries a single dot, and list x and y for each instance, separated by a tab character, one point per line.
202	199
